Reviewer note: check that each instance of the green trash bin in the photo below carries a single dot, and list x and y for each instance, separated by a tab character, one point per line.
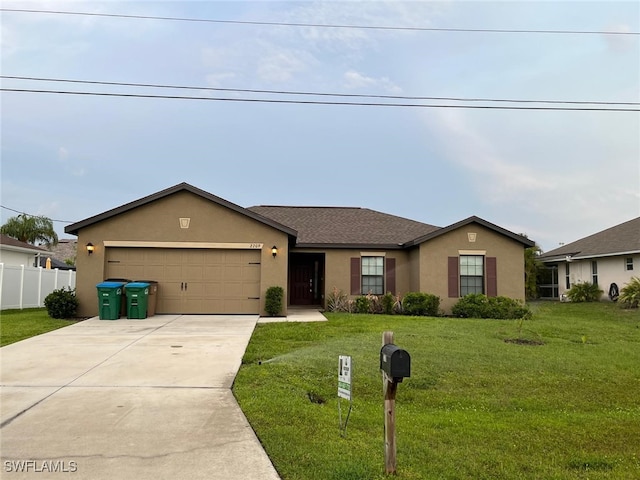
123	301
137	298
152	299
109	298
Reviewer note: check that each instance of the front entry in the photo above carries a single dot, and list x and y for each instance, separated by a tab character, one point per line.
306	279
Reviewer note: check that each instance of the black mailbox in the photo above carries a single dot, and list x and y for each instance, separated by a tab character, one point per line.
395	362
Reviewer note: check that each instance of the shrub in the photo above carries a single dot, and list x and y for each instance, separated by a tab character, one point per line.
338	301
422	304
473	305
363	304
61	303
477	305
388	301
273	301
584	292
630	293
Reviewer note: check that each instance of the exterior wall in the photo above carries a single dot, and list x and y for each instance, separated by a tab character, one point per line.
338	269
610	270
414	264
10	257
159	222
434	258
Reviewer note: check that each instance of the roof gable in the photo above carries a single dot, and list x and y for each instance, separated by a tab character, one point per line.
345	227
11	243
76	227
473	219
616	240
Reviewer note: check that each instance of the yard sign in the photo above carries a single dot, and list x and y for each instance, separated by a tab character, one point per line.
344	377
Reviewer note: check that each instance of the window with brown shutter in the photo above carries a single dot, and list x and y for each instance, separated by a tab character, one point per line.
390	275
453	277
355	276
492	277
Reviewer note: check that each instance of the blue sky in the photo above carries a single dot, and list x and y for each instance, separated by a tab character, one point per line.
555	175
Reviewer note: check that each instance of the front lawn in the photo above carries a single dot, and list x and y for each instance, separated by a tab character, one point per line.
16	325
556	397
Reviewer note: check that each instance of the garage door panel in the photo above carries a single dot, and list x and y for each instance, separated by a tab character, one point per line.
216	281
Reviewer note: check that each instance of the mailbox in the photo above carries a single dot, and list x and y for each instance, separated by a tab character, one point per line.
395	362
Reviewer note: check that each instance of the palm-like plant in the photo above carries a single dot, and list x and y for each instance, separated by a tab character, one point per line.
30	229
630	293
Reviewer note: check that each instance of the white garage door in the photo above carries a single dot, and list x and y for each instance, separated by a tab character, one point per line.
193	280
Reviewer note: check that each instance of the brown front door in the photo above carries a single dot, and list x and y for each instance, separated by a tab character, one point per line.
305	279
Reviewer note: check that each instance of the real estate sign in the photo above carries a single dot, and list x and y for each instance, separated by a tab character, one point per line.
344	377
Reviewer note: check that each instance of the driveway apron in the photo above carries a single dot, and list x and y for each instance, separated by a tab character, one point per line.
143	399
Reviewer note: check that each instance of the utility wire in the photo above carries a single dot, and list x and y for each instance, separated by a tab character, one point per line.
286	92
320	25
30	215
315	102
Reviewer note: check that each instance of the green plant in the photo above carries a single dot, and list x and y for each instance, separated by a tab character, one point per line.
337	301
273	301
584	292
61	303
477	305
630	293
388	300
419	303
363	304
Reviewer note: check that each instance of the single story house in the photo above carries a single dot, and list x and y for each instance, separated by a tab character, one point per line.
15	252
212	256
608	258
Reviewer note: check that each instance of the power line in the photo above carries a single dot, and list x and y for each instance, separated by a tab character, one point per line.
30	215
315	102
288	92
321	25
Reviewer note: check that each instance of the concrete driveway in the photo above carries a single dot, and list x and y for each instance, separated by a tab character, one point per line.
143	399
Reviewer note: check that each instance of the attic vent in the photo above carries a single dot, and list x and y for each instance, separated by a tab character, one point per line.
184	222
472	237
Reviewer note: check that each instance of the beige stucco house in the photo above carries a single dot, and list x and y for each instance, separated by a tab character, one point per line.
212	256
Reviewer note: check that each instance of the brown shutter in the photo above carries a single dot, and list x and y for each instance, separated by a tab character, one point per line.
355	276
391	275
453	277
492	277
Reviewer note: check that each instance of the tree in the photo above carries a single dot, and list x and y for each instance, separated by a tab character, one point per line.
532	268
31	229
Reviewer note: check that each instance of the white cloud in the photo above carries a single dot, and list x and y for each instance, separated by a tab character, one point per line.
619	43
356	80
282	65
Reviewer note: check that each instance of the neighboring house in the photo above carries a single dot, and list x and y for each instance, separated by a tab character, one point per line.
55	263
15	252
609	257
212	256
64	250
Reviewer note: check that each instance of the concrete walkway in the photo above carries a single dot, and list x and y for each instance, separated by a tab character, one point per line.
144	399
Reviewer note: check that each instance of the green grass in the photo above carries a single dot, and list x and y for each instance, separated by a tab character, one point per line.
16	325
475	407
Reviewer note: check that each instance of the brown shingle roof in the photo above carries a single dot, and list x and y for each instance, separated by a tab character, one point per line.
12	242
345	226
620	239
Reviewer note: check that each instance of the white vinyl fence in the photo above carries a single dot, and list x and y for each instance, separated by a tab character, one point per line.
27	287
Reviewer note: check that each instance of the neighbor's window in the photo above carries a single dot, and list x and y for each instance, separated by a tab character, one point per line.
471	274
629	263
567	276
594	272
372	275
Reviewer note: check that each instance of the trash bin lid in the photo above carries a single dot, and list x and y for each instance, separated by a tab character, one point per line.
138	285
110	285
